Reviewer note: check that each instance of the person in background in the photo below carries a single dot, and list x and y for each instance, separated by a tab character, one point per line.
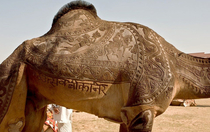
50	124
62	116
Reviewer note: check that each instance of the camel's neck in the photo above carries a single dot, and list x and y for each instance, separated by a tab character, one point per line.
193	76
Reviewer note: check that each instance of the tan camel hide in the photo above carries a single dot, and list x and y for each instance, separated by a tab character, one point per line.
123	72
15	117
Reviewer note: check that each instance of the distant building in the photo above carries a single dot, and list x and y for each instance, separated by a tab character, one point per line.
201	54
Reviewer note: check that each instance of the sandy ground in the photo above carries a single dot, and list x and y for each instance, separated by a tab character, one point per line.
175	119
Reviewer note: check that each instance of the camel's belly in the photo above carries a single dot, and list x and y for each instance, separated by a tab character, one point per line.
102	99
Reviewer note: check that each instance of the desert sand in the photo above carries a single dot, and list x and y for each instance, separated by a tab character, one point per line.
175	119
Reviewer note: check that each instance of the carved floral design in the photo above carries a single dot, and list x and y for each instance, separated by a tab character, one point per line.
208	74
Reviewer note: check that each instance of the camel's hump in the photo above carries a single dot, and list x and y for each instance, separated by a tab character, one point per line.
78	4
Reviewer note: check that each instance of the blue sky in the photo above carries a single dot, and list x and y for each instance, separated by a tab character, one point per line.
183	23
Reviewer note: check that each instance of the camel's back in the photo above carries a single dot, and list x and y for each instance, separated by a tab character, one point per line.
81	46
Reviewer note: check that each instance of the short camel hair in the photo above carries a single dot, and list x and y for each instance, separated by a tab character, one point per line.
78	4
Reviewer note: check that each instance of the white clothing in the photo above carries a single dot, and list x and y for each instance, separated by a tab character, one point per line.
64	115
64	127
63	118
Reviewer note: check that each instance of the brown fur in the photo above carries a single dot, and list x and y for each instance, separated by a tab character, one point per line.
123	72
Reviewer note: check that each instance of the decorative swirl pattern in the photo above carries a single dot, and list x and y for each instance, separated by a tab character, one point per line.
80	46
104	52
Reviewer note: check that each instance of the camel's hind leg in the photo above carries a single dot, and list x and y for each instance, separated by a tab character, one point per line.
35	118
123	128
14	119
138	118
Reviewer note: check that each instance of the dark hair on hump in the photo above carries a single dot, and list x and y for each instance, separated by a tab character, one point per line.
77	4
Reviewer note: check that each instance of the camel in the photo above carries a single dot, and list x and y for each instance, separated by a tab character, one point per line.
70	66
183	102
